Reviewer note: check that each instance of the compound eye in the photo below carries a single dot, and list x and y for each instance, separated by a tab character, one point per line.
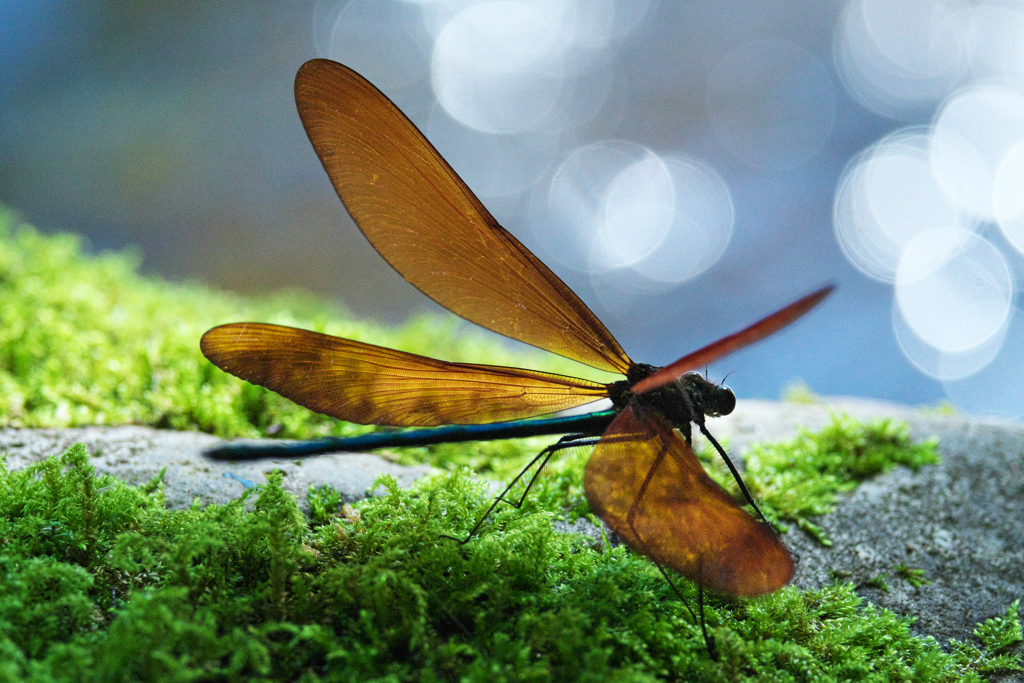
722	402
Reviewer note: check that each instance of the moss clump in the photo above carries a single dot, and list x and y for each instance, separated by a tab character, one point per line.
102	583
798	391
912	575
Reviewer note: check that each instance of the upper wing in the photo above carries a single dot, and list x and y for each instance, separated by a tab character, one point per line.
647	485
431	228
734	342
369	384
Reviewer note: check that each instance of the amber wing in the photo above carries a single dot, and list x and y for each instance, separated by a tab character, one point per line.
647	485
734	342
431	228
370	384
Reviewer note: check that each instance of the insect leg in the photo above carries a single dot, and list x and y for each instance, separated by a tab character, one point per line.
735	472
682	599
631	515
709	641
567	441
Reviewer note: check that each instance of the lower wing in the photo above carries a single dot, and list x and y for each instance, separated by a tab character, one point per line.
369	384
645	482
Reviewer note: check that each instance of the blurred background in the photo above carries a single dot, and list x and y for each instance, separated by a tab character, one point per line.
687	167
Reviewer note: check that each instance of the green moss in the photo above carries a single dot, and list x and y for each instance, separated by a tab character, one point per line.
878	582
913	576
798	391
944	408
102	582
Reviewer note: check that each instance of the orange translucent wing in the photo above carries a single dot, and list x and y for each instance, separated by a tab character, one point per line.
431	228
734	342
369	384
647	485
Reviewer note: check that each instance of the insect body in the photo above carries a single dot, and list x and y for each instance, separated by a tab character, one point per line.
642	479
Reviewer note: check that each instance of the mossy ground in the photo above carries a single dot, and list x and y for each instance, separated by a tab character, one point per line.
101	582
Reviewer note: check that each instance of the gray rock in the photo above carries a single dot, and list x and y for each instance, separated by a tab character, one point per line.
137	454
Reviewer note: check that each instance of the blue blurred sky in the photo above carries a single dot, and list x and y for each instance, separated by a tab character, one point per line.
172	126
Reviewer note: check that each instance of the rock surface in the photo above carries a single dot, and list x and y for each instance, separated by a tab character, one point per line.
137	454
961	521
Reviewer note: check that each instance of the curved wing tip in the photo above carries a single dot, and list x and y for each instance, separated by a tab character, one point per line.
826	289
771	580
312	70
211	333
807	303
778	574
316	63
207	340
318	66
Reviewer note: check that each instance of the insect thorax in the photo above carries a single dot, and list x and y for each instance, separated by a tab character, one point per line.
686	400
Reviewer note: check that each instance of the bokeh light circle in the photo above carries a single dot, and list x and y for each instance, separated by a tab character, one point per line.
953	289
897	57
886	197
1008	196
944	365
997	41
972	133
569	214
637	211
702	224
349	32
618	205
497	66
